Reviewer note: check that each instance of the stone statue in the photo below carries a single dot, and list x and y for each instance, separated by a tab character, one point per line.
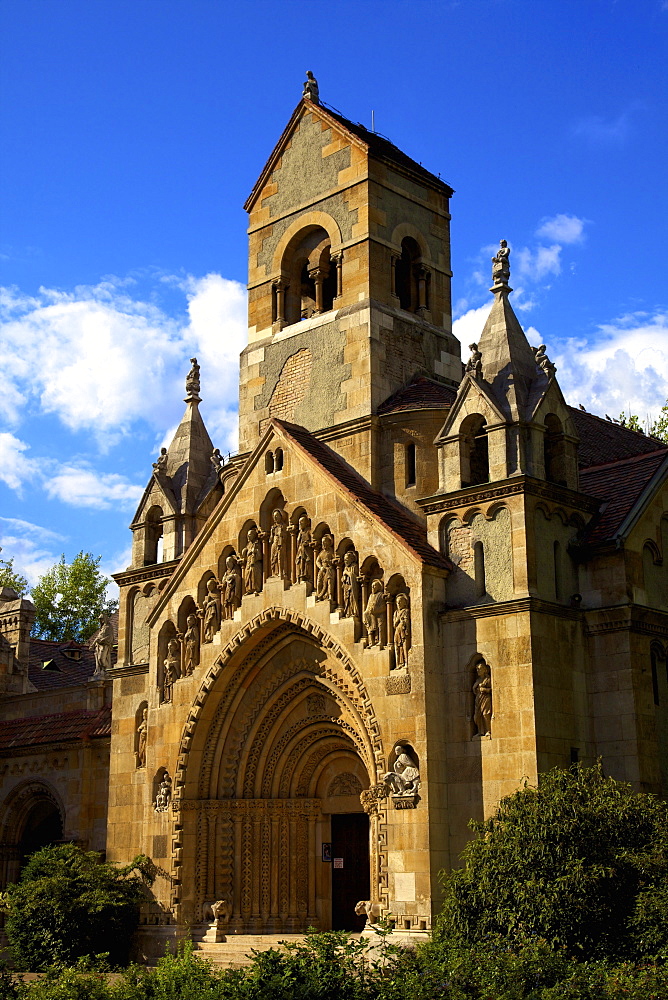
543	361
252	556
501	265
402	630
372	911
192	379
311	91
304	546
216	459
350	585
161	464
164	795
374	613
103	643
277	545
212	611
326	574
220	911
191	643
231	587
404	778
482	700
172	667
474	363
142	738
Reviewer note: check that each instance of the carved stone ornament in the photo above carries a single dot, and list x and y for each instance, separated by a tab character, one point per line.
346	783
474	363
304	548
172	668
142	739
216	459
543	361
372	911
252	556
501	265
326	574
212	610
231	587
482	700
219	911
401	623
164	795
403	781
277	546
350	585
191	645
311	91
103	644
374	613
192	379
372	798
161	463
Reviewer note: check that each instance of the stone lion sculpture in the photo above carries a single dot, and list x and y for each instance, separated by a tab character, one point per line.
371	910
220	911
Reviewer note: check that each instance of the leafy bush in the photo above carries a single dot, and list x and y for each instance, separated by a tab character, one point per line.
67	904
581	862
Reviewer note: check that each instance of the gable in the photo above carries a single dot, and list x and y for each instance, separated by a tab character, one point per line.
473	397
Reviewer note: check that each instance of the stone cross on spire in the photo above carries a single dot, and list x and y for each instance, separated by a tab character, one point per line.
192	382
311	91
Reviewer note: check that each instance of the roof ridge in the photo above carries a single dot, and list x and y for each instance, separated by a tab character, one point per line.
626	458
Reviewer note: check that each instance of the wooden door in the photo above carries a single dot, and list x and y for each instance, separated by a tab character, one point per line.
350	883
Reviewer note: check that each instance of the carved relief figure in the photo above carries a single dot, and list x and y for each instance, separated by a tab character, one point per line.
402	630
482	704
172	667
474	363
277	545
350	585
142	734
501	265
220	911
404	778
374	613
164	795
326	578
103	644
231	587
252	555
191	643
211	611
304	546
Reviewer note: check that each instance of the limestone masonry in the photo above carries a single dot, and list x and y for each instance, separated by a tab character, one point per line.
417	583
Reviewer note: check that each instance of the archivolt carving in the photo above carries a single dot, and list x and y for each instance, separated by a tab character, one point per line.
280	747
332	741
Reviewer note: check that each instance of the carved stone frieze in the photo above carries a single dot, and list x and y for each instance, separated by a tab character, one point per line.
398	683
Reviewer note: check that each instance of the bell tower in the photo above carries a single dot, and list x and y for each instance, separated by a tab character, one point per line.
349	282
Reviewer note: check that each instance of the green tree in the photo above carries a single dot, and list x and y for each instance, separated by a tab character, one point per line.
10	578
658	429
67	904
581	861
70	598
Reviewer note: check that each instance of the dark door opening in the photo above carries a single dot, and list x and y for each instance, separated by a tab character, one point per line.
350	883
43	828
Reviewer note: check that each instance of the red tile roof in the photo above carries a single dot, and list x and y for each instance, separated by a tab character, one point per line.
395	517
64	727
63	670
421	393
619	485
605	441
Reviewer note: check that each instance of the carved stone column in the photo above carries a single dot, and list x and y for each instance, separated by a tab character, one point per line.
337	260
423	278
394	260
318	275
280	288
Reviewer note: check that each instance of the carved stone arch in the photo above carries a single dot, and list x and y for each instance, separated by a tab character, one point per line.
305	221
472	512
306	755
405	229
29	801
494	508
650	544
19	803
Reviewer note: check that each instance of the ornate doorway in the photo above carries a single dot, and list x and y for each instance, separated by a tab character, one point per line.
350	869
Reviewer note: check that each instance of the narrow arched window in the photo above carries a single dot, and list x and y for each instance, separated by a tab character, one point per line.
405	275
278	460
269	463
410	465
474	457
479	569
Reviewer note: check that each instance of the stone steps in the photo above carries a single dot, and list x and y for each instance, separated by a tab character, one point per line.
236	948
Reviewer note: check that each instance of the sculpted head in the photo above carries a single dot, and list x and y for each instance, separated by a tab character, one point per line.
303	523
350	558
191	620
327	542
230	562
482	668
376	587
278	517
402	601
212	586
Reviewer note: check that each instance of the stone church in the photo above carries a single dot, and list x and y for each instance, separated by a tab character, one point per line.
418	582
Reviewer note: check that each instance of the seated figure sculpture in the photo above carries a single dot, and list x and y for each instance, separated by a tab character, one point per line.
404	778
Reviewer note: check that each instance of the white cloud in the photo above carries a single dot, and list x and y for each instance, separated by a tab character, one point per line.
29	545
36	530
623	368
81	486
15	467
538	264
562	228
468	327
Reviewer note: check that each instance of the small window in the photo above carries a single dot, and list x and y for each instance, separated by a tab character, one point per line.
410	465
479	569
278	460
269	463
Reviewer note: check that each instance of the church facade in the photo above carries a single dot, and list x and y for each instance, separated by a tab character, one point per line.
417	583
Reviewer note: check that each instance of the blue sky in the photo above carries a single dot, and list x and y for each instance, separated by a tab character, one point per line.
133	132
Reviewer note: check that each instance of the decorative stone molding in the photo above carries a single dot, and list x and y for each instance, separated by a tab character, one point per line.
398	683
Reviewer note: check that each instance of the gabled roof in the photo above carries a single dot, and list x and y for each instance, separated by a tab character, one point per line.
620	486
63	727
392	514
421	393
605	441
376	145
50	666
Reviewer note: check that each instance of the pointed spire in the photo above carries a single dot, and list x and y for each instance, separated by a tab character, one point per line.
188	458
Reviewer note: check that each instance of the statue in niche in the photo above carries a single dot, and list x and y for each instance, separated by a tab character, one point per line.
374	613
482	700
404	778
191	645
161	463
172	668
164	795
311	90
231	587
501	265
103	643
326	574
142	739
474	363
212	612
252	556
543	361
401	622
277	545
192	379
350	585
304	546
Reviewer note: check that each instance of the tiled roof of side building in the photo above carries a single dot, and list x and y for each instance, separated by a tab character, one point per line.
395	517
605	441
61	728
62	664
619	485
421	393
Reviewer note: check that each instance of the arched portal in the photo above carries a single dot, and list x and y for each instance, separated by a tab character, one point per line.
32	818
278	753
